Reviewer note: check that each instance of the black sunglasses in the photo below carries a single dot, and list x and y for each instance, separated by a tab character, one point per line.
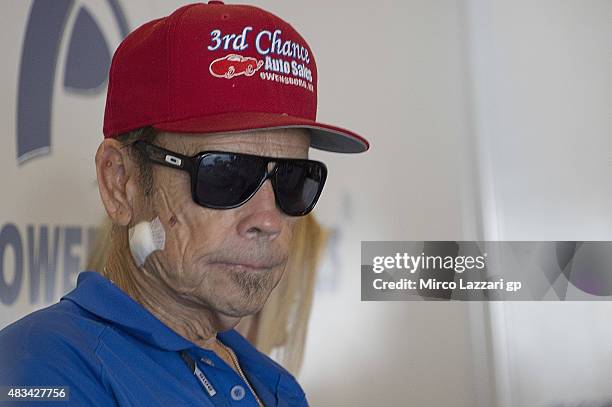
225	180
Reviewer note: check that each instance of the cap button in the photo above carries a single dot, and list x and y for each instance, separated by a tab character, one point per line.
215	2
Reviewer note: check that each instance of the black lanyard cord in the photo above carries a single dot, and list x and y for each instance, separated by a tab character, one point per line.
195	370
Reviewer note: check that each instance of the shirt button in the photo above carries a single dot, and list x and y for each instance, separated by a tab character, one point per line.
237	392
208	361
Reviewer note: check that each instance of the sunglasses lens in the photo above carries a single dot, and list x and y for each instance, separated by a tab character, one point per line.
298	186
226	179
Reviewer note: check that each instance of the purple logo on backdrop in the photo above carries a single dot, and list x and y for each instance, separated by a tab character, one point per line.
87	63
43	250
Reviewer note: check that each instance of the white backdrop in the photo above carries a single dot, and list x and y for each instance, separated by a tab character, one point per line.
499	105
543	98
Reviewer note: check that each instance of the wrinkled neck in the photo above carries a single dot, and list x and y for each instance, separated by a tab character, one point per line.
191	320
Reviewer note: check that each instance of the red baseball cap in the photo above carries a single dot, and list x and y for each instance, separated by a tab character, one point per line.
216	68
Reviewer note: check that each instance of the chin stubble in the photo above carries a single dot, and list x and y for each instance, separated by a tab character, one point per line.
253	284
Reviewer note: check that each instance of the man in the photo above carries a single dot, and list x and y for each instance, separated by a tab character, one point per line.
204	170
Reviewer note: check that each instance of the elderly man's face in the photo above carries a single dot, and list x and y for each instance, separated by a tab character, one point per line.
208	253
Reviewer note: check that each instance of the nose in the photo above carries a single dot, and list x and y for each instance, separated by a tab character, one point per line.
261	219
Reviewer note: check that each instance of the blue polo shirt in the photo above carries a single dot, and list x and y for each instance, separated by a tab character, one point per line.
109	350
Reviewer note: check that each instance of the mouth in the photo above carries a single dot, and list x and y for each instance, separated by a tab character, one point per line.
244	266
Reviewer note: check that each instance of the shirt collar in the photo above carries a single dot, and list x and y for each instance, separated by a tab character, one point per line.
102	297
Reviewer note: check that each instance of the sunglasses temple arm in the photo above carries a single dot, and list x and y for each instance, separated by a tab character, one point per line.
166	157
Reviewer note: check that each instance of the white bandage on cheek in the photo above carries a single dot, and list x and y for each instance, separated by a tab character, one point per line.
145	238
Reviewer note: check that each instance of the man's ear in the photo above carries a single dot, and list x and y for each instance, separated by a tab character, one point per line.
116	180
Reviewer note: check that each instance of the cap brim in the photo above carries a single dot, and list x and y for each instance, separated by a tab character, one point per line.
323	136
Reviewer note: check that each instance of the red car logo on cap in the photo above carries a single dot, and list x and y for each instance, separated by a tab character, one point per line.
233	65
